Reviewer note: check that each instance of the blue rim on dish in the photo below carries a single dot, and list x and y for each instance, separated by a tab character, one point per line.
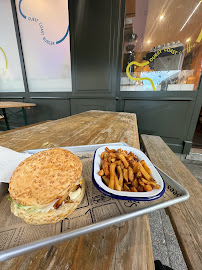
126	197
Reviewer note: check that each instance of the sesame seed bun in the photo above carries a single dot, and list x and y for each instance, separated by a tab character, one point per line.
45	177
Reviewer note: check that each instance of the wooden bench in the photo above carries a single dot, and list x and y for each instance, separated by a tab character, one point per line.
186	217
10	104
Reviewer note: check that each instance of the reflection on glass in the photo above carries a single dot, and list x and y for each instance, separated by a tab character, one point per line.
167	48
10	70
44	30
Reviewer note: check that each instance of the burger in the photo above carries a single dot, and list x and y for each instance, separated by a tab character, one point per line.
47	187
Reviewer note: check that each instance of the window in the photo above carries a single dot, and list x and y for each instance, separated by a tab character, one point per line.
44	30
164	38
10	69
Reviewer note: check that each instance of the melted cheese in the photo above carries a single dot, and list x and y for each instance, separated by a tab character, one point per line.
75	194
79	182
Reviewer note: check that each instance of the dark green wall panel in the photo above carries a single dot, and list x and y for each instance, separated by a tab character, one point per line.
45	109
15	116
48	109
83	105
96	29
164	118
92	42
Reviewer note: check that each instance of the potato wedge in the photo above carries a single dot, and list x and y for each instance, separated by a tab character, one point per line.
116	183
101	172
145	166
130	174
141	183
110	150
133	189
112	175
147	188
135	183
144	172
139	174
126	188
140	188
125	162
120	172
125	174
136	167
106	167
105	180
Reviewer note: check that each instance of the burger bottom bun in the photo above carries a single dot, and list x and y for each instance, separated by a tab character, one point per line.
53	215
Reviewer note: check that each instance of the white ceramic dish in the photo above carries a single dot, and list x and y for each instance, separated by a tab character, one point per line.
150	195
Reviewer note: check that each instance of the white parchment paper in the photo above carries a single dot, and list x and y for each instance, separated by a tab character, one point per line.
9	160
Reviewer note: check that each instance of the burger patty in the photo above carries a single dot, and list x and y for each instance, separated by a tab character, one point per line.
65	198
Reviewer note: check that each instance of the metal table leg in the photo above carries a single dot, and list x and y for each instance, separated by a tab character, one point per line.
6	119
25	116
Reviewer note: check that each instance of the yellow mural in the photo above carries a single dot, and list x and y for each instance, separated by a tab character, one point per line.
6	62
189	46
199	37
139	79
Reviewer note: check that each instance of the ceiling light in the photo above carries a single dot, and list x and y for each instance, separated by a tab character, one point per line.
190	15
161	17
188	39
149	41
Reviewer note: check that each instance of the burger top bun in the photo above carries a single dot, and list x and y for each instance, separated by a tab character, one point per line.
45	177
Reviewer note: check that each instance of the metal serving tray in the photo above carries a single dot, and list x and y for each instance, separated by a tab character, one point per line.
96	211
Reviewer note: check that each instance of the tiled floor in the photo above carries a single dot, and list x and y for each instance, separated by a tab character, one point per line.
164	242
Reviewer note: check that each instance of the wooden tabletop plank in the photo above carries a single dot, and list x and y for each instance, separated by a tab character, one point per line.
93	127
25	127
186	217
11	104
123	246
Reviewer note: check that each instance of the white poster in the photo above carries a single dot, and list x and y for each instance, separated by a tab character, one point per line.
45	36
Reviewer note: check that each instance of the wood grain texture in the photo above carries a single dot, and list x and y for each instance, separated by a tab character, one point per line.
93	127
186	217
11	104
25	127
123	246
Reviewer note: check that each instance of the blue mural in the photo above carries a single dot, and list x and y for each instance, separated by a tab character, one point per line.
42	28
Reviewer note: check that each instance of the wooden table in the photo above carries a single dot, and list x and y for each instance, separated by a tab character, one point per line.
8	104
125	246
